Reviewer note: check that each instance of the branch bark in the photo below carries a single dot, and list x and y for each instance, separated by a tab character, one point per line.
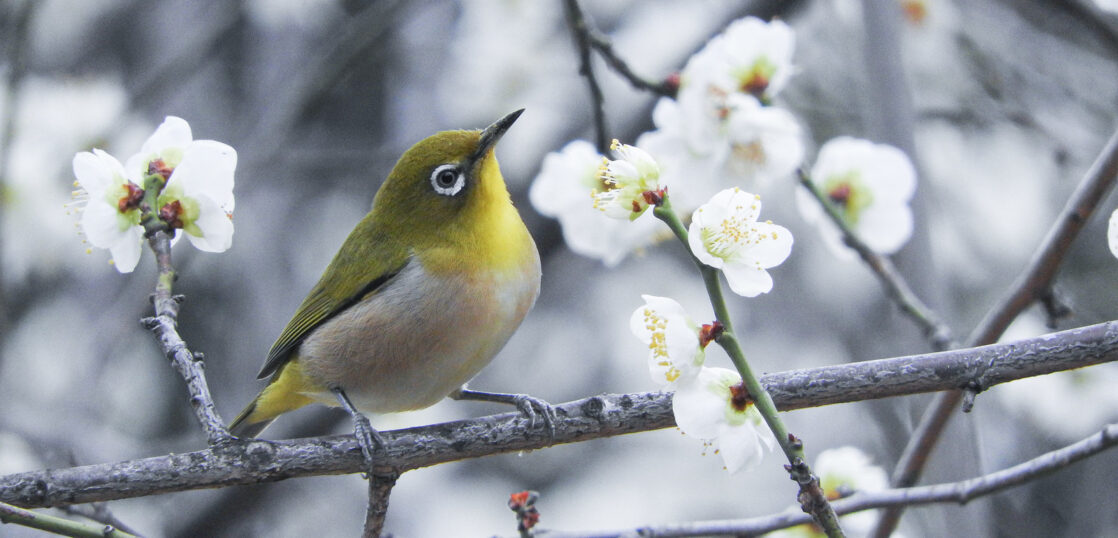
189	365
237	462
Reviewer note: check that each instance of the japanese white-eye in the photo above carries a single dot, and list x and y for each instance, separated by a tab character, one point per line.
422	294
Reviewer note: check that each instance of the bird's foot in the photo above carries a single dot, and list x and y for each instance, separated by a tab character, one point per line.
530	406
367	437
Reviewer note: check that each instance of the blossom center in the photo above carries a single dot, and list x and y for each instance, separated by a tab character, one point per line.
755	81
739	397
160	167
133	195
657	327
848	195
725	239
753	152
172	214
709	332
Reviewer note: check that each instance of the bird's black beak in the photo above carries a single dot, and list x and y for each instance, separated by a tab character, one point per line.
492	134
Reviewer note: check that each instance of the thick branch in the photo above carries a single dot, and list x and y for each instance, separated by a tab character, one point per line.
380	488
251	462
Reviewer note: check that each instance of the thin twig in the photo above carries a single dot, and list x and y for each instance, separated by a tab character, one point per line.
189	365
99	513
259	461
602	44
380	488
896	287
1033	283
57	525
581	33
960	492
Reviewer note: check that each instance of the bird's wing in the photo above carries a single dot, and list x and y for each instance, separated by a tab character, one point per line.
361	267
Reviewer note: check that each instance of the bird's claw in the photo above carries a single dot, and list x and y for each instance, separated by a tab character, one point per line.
369	440
528	406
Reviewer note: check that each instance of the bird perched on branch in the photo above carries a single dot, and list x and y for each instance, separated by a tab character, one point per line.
423	293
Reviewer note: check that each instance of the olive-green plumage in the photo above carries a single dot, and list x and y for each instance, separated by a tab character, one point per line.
422	294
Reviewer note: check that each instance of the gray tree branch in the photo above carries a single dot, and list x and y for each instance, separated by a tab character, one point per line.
236	462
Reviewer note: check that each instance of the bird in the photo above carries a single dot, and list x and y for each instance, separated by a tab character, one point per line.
422	294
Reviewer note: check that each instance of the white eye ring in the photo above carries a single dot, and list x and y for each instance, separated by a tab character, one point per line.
447	180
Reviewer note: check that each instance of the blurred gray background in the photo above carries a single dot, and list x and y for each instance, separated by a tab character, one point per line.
1003	105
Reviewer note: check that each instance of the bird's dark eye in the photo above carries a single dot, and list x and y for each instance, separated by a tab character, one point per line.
447	179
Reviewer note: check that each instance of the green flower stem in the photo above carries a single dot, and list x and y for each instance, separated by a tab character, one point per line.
811	495
149	209
55	524
729	342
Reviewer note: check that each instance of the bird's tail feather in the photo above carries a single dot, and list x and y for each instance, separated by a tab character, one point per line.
243	427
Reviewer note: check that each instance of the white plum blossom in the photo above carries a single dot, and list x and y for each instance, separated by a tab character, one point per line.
870	186
725	234
1112	233
198	196
751	56
845	470
765	141
562	190
1107	5
111	216
629	183
715	407
195	194
719	129
746	141
1065	405
675	345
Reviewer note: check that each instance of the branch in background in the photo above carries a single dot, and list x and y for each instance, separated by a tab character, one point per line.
581	33
602	44
188	364
955	492
17	67
360	40
1034	283
258	461
896	288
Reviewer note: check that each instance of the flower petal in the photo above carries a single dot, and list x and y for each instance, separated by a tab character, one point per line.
740	447
1112	233
96	171
127	248
207	169
700	403
174	132
748	280
774	245
215	226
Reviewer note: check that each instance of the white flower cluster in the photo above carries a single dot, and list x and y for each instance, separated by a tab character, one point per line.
718	132
197	196
709	403
721	130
